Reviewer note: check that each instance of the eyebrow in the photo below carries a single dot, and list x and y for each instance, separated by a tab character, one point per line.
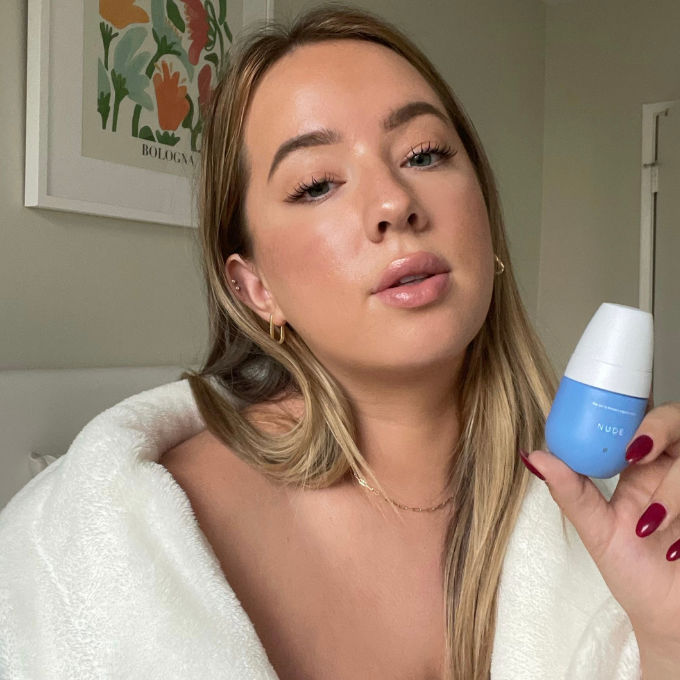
324	136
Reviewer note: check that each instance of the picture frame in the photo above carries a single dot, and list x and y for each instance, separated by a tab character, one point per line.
90	152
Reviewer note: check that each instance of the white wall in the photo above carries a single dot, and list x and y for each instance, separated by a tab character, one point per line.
604	60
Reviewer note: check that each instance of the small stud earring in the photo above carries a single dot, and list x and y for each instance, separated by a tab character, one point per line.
234	281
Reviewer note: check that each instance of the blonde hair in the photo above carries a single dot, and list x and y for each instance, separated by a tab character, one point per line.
507	383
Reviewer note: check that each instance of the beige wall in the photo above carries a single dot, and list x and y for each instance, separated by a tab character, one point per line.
604	60
79	291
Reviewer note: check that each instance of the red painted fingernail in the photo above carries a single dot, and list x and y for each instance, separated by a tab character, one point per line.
650	520
640	447
523	455
673	552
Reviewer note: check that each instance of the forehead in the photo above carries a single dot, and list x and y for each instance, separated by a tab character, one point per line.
343	84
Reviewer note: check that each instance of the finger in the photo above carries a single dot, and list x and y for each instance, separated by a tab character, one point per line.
658	432
664	506
579	499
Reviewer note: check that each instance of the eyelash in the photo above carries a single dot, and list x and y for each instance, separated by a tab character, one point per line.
446	151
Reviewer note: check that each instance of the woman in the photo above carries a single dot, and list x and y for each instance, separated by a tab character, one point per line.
336	162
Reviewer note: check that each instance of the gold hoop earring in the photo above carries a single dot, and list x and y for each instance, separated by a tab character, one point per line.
502	269
282	330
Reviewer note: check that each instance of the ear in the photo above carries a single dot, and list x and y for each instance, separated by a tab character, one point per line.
253	290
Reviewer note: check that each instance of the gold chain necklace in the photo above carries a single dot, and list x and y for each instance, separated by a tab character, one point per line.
403	507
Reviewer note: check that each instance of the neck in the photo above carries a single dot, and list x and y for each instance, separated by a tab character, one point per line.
407	430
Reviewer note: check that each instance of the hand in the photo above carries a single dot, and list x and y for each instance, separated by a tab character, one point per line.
635	556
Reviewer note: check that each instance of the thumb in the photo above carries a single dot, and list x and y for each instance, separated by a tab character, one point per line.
579	499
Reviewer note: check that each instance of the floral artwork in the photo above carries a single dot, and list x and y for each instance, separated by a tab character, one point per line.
149	66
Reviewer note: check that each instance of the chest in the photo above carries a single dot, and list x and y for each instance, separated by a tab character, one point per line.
332	598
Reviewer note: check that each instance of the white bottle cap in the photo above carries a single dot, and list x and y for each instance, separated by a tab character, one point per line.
616	351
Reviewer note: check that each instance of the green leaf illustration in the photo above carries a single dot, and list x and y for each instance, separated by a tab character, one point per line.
120	93
214	31
145	133
213	58
225	26
189	118
104	107
175	16
169	138
107	36
103	93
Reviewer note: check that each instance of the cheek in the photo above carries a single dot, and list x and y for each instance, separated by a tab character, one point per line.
462	220
459	212
311	267
288	248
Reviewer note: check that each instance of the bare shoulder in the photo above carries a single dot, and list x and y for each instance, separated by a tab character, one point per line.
195	455
209	471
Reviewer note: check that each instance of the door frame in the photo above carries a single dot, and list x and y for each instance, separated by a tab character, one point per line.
650	184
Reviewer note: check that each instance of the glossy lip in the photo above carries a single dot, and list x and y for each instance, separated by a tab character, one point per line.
422	262
416	294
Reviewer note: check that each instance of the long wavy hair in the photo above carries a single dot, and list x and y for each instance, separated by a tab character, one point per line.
507	383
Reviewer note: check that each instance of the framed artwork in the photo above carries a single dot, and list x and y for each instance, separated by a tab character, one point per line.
114	91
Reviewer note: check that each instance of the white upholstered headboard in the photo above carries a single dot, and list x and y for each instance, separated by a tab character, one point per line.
42	411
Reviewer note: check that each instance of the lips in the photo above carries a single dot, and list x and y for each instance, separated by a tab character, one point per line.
422	263
406	283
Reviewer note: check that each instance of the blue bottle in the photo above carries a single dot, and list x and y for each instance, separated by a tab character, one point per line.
603	395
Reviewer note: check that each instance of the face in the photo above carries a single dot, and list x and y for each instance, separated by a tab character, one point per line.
332	216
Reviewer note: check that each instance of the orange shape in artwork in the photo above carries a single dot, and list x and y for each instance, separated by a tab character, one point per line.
122	13
171	100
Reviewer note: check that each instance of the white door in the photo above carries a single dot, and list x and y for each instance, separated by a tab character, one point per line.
666	291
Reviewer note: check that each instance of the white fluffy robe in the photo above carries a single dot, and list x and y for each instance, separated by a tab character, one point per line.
104	573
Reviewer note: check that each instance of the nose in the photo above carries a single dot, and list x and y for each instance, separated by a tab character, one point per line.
391	204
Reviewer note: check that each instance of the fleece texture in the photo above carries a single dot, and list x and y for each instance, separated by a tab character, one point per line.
105	573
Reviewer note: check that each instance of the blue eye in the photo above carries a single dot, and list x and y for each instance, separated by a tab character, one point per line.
313	186
317	189
445	151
